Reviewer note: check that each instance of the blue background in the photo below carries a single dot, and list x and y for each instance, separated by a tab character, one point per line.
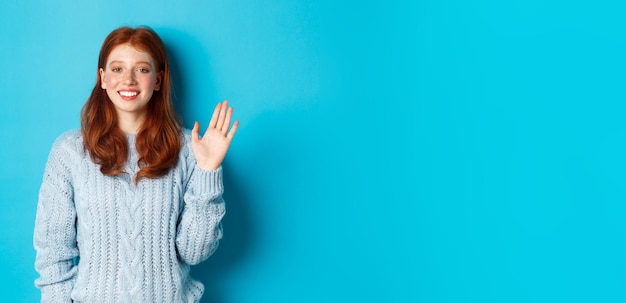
392	151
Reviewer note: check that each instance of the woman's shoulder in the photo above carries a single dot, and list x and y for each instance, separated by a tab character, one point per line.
186	136
69	140
185	141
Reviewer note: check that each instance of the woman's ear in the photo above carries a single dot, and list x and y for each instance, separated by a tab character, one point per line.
159	78
103	84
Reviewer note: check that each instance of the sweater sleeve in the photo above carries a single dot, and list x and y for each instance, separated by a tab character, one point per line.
55	231
199	228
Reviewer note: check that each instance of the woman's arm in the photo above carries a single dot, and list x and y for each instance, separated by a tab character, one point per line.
199	229
55	231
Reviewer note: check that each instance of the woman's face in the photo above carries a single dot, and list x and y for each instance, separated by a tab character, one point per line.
130	78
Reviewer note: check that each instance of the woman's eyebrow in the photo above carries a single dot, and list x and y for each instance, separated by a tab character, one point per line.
124	62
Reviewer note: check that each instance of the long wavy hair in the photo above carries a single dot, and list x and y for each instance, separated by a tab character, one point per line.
158	140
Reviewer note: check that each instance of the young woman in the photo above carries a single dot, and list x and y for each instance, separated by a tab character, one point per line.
130	200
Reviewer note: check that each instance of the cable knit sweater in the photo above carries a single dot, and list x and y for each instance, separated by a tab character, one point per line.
106	239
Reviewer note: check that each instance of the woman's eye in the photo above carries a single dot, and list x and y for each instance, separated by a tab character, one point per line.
143	70
116	69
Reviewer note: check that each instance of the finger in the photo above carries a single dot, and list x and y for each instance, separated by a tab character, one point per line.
220	119
226	125
216	112
194	131
232	131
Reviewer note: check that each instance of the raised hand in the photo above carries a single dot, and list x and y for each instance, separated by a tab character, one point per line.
211	149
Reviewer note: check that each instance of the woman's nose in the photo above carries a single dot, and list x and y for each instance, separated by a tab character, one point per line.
129	77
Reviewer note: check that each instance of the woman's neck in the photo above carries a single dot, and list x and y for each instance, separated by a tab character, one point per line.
130	123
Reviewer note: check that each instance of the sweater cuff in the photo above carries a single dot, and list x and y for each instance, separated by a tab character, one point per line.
206	182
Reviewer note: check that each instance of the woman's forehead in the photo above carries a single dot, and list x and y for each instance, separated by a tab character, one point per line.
128	53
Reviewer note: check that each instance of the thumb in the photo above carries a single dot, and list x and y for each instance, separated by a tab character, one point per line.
195	131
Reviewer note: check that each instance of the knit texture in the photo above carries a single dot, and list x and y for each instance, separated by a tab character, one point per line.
106	239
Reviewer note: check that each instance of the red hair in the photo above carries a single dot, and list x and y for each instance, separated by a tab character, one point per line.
158	141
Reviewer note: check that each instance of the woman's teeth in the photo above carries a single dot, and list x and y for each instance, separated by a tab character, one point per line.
128	94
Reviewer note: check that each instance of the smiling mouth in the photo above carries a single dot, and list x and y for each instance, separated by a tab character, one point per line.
128	94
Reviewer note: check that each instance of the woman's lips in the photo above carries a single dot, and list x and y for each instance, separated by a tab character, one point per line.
128	95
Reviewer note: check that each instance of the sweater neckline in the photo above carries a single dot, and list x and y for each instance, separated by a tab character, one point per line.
131	139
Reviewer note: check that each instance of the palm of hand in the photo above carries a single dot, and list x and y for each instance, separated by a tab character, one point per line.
210	149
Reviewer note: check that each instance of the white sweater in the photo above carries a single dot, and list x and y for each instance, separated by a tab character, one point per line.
104	239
